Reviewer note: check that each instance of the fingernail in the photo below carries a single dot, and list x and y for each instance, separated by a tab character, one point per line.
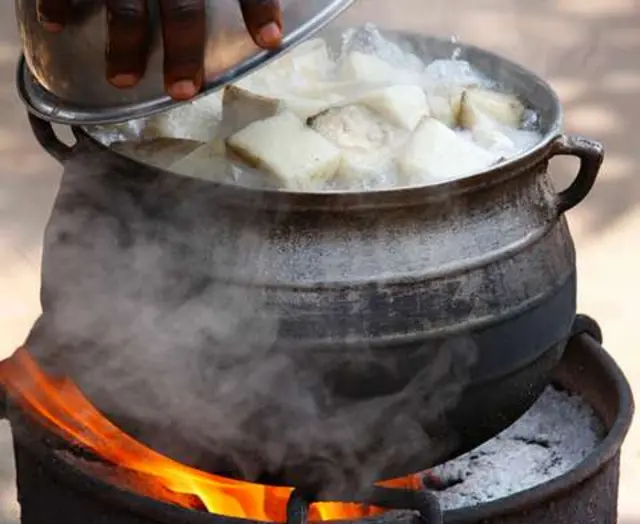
52	27
124	80
269	35
183	90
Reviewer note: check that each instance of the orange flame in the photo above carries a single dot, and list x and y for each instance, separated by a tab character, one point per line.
60	403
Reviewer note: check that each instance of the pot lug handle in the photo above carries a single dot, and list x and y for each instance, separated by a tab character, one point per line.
48	139
591	155
585	325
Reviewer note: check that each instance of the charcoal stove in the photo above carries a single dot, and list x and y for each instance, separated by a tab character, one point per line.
54	489
438	321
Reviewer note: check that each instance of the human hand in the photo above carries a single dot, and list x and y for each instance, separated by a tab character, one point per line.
183	31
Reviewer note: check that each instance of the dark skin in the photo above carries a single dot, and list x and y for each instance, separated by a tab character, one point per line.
183	32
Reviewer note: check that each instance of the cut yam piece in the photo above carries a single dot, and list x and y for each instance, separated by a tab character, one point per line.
197	120
369	69
357	128
158	152
207	162
435	153
241	107
492	139
368	142
298	157
444	103
311	59
305	107
504	108
485	131
403	105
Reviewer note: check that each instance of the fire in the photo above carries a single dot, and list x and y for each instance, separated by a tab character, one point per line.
59	404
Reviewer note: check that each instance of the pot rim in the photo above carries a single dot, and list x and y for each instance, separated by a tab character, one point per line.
388	197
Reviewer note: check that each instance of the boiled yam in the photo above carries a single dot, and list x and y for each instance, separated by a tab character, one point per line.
207	162
197	120
356	127
241	107
444	103
311	59
403	105
504	108
436	153
158	152
298	157
369	69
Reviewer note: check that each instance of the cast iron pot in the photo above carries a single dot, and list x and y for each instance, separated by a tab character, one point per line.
305	339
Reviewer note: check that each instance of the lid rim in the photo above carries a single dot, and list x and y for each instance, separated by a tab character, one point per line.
45	105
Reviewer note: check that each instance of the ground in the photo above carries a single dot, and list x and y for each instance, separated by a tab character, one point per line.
587	49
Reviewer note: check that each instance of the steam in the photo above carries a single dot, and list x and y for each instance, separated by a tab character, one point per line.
194	363
156	306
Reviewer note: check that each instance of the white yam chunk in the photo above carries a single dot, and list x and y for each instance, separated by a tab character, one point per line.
305	107
435	153
356	128
304	65
444	102
212	162
298	157
368	142
158	152
241	107
366	68
403	105
502	107
197	120
311	59
207	162
494	140
485	131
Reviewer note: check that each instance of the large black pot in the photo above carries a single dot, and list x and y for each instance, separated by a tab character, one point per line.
305	338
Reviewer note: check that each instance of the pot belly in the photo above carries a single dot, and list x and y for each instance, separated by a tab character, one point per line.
439	303
301	381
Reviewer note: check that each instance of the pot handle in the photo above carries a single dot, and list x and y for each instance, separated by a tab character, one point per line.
585	325
591	155
48	139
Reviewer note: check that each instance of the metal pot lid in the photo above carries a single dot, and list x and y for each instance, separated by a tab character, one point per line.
69	86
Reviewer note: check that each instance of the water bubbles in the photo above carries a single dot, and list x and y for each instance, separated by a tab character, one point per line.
457	52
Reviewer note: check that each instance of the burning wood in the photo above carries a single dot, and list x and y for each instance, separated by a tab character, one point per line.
60	406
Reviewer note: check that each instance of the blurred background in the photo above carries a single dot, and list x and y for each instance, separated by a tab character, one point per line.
589	50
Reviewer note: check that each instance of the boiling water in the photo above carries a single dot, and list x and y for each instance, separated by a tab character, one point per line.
310	84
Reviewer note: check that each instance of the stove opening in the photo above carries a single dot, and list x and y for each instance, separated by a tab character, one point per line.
57	404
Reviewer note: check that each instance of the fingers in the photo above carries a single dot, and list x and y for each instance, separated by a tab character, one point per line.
53	14
264	21
184	28
128	30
